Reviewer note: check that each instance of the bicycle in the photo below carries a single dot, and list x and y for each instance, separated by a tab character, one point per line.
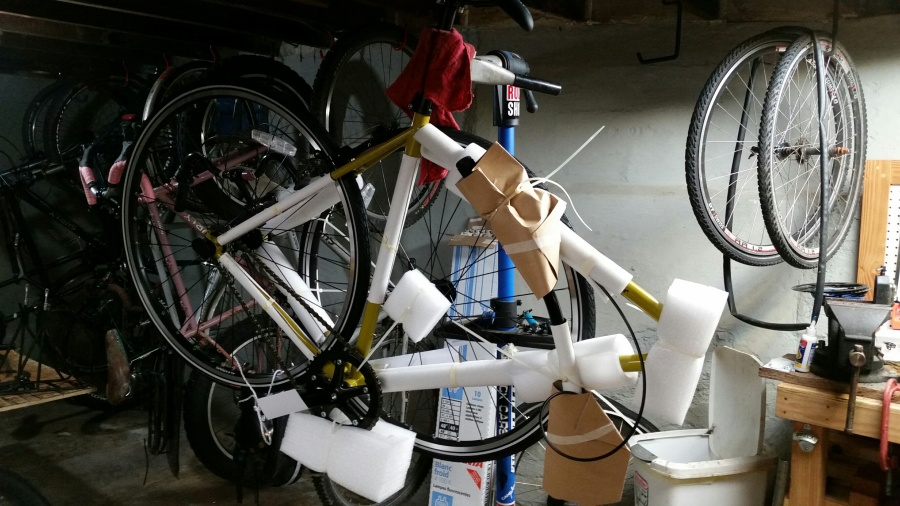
229	179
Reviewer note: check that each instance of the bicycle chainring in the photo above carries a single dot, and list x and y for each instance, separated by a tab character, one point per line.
337	387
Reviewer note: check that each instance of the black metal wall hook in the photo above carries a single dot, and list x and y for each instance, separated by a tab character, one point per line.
645	61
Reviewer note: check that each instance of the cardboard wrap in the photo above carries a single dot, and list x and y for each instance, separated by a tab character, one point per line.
579	427
525	220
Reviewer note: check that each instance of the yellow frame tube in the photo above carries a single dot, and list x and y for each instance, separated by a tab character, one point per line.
642	299
378	152
373	155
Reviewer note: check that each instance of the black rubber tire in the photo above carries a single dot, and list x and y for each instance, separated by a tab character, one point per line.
796	235
89	110
35	116
207	411
136	227
263	72
17	491
733	223
172	82
349	99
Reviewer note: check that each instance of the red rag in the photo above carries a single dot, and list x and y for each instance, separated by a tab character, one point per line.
439	69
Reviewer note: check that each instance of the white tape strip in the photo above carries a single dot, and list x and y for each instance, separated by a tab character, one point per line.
531	244
581	438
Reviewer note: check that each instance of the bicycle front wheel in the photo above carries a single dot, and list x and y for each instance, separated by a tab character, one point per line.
234	150
790	179
349	98
722	147
466	270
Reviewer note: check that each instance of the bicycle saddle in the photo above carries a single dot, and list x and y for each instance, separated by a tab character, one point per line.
514	8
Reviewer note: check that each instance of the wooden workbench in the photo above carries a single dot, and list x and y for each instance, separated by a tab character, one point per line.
818	405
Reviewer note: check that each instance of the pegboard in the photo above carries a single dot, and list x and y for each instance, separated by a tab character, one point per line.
892	240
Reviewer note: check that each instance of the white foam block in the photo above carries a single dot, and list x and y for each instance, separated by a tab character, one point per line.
690	316
383	454
671	382
590	263
438	147
603	371
308	440
417	304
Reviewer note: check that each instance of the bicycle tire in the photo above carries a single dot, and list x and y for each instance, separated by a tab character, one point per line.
720	163
264	72
15	490
349	99
170	83
89	110
211	413
789	173
285	122
36	114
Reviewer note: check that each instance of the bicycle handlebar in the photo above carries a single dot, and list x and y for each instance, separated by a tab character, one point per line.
488	69
538	85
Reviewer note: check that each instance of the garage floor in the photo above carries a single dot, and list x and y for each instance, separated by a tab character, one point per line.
77	456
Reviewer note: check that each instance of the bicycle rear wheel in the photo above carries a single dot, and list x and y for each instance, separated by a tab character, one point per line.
263	147
349	99
790	183
466	276
722	146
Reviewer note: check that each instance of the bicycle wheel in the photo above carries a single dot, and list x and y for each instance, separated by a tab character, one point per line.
349	99
264	146
172	82
35	116
720	157
89	110
530	462
264	72
212	413
790	181
424	245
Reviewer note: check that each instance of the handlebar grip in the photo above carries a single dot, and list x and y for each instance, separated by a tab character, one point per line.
530	83
517	10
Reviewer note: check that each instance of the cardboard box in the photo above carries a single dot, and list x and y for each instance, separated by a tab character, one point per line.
464	413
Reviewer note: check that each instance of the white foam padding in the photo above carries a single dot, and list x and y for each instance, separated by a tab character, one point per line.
473	151
690	316
372	463
603	371
525	372
308	440
671	382
590	263
417	304
438	147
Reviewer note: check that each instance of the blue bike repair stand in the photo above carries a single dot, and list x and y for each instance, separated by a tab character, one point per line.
506	117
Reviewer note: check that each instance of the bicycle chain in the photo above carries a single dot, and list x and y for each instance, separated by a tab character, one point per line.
323	392
270	346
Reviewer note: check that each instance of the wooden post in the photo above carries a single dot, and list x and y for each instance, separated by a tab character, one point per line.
808	468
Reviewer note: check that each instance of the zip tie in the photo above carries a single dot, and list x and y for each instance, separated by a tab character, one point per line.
378	344
511	355
569	159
